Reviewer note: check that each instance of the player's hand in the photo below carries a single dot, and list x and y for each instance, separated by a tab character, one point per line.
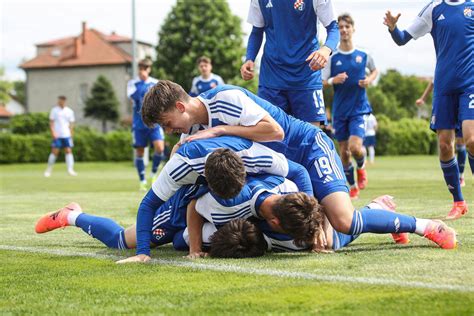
390	20
320	242
364	83
319	59
135	259
246	71
340	78
196	255
208	133
420	102
55	136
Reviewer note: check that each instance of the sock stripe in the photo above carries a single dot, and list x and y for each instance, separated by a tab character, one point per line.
449	163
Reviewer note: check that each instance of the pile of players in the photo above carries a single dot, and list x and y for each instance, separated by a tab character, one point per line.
248	177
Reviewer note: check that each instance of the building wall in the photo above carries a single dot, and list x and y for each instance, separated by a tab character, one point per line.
44	85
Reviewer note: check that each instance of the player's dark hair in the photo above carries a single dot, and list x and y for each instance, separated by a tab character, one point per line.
161	98
62	97
225	173
146	62
239	238
203	59
300	216
346	17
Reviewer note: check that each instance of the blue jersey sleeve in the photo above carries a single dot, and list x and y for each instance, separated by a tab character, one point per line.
254	43
300	176
333	36
146	211
400	37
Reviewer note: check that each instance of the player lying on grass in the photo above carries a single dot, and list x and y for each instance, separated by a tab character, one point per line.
247	238
238	238
234	110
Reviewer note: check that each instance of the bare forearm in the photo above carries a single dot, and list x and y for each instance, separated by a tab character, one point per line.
195	223
373	75
262	132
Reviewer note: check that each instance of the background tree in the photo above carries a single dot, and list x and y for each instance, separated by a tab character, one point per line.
5	87
20	93
102	105
196	28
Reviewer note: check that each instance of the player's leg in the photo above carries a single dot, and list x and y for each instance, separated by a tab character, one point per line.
466	117
157	138
140	141
341	134
356	140
444	120
330	189
461	156
55	145
104	229
69	157
308	105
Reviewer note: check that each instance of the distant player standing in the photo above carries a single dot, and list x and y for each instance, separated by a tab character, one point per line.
370	140
460	146
346	71
61	125
451	24
207	80
290	28
136	90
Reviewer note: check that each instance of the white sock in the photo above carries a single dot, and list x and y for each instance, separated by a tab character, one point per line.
372	154
421	225
72	216
51	160
70	161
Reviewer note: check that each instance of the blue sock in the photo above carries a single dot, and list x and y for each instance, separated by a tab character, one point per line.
451	176
140	164
381	222
156	162
104	229
340	240
462	154
349	172
360	162
471	162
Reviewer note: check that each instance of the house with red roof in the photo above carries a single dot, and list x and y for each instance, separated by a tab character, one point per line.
69	66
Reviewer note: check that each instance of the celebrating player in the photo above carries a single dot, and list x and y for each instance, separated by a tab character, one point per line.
346	71
136	90
291	41
451	24
207	80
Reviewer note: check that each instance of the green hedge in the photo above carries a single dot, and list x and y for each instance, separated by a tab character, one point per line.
405	137
30	123
88	146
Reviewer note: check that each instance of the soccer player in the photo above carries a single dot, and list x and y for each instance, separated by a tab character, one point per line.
61	125
230	109
230	157
346	72
451	24
169	224
291	41
460	146
136	90
207	80
370	140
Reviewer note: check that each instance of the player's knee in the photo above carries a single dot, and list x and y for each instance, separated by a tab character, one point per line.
446	148
342	226
355	149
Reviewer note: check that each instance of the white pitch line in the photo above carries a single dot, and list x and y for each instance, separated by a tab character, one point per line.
254	271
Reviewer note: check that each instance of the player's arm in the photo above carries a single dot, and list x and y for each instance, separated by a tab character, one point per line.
195	224
255	17
425	94
300	176
364	83
51	129
194	91
71	124
420	26
325	12
328	80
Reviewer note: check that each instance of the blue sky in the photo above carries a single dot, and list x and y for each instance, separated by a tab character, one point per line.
27	22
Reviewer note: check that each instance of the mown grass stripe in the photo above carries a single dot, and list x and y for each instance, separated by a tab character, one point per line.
255	271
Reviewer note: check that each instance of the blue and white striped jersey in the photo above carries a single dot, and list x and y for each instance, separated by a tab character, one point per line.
136	90
220	211
187	164
201	85
233	106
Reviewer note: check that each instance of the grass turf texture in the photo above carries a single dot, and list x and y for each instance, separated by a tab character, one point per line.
45	283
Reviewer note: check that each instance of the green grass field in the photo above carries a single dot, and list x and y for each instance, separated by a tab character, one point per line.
67	272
